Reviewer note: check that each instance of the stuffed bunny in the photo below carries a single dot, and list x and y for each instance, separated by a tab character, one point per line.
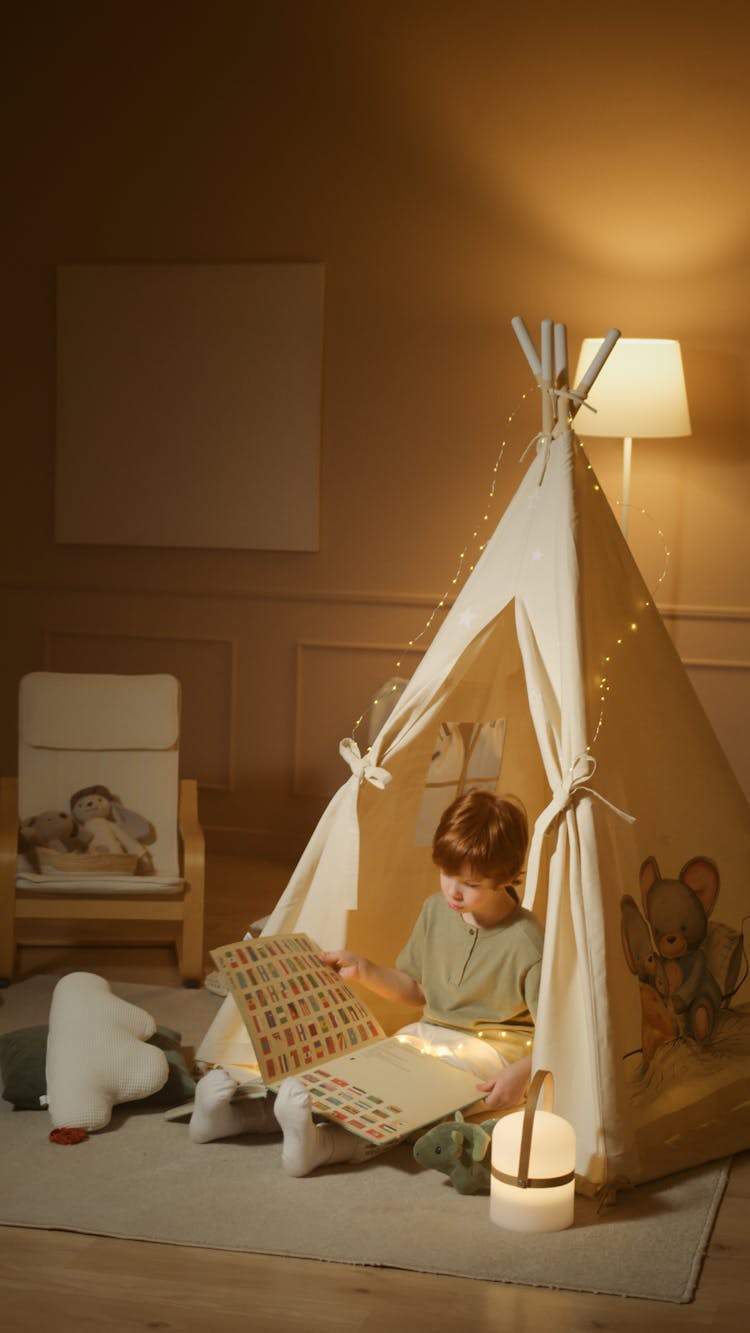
106	826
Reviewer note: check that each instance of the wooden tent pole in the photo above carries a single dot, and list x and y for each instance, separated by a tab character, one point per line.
582	389
542	368
561	356
548	402
527	346
561	375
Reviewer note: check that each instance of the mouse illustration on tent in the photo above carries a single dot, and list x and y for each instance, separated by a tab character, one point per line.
686	964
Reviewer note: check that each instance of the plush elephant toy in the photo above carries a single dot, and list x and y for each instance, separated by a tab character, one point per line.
459	1150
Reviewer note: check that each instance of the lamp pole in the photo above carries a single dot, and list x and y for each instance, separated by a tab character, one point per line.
627	454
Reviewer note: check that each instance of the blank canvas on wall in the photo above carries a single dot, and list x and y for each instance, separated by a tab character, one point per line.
189	405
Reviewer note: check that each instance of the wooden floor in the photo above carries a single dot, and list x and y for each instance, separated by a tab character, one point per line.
89	1284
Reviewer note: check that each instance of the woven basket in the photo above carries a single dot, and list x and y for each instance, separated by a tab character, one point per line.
85	863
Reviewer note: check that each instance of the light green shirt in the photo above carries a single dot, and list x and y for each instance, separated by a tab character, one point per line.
475	977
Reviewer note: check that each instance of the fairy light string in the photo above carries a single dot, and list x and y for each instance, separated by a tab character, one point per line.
607	661
467	553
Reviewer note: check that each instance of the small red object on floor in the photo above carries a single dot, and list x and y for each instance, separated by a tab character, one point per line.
68	1135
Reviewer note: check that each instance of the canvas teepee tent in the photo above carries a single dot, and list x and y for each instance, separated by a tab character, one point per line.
554	654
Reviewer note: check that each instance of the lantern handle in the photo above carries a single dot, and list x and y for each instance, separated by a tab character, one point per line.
542	1080
522	1180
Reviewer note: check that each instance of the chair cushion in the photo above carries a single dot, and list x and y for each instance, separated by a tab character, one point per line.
67	711
118	886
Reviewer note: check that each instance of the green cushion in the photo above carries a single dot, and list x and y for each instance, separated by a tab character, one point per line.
180	1085
22	1068
22	1057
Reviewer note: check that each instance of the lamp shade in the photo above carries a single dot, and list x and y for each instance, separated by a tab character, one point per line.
639	393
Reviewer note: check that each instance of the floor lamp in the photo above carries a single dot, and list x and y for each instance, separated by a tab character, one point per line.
639	393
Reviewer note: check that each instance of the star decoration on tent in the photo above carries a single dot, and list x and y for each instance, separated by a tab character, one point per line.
537	554
467	618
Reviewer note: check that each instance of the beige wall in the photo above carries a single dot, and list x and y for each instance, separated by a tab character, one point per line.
452	164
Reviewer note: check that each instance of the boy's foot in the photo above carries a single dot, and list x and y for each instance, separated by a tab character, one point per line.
307	1145
217	1116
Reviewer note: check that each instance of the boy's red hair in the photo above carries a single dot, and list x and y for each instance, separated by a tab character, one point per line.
487	833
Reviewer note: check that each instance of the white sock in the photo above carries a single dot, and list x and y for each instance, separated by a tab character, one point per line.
307	1145
217	1116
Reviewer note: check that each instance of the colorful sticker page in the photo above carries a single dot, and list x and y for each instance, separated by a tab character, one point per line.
389	1089
297	1011
303	1020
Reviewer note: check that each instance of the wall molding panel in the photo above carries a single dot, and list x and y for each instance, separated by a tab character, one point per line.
312	596
336	683
713	664
685	611
723	687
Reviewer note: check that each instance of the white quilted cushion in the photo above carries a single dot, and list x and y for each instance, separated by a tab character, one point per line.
97	1053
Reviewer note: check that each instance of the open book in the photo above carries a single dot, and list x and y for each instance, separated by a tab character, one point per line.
304	1020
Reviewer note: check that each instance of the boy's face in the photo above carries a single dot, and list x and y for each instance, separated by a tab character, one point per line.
467	891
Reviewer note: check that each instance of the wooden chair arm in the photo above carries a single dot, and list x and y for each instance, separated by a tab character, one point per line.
190	951
9	822
191	833
188	810
8	872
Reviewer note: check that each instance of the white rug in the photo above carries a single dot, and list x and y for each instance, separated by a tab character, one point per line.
143	1179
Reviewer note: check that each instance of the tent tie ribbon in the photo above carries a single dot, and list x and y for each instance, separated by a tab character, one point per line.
360	765
579	775
542	440
579	399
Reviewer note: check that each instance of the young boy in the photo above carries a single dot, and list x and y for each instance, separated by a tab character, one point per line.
472	962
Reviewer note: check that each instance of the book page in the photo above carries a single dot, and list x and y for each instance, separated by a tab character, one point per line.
389	1089
298	1012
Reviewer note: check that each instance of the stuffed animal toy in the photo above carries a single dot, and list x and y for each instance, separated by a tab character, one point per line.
458	1149
106	826
677	911
52	828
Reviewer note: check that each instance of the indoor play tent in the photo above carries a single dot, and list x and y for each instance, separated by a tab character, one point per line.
554	664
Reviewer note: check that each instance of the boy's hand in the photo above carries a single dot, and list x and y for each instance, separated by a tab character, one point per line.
386	981
348	965
510	1085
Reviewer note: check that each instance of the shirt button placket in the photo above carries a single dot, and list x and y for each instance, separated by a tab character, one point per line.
471	941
